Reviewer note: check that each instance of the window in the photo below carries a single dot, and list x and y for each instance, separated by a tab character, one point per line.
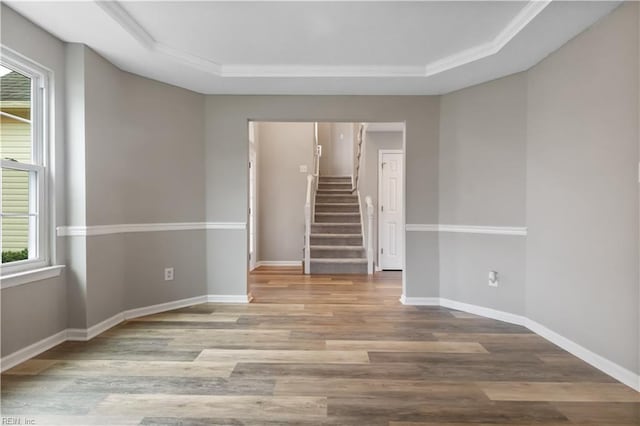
24	177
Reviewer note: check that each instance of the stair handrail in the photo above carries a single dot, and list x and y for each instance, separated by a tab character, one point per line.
317	153
358	162
308	209
370	212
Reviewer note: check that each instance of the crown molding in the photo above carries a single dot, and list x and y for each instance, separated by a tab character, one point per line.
116	12
517	24
127	22
311	71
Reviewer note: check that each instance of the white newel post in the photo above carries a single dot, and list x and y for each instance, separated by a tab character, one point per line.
370	211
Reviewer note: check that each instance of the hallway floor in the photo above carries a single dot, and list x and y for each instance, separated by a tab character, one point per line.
321	350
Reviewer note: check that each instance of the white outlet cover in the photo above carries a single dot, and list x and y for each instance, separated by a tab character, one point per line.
493	279
303	168
168	274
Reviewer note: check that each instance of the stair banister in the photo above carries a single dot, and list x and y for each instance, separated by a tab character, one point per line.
316	155
307	224
358	159
370	212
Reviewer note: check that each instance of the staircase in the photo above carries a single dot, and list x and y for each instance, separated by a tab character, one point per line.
336	231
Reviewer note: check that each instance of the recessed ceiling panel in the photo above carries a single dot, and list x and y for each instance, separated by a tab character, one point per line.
308	47
323	33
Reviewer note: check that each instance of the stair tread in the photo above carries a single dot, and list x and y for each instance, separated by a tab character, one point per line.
330	260
338	213
336	204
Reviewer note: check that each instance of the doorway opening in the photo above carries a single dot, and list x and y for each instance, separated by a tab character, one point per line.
326	198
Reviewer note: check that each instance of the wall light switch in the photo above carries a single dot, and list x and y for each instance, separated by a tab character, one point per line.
303	168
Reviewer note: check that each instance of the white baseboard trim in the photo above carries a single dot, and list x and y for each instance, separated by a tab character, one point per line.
163	307
81	334
603	364
420	301
85	334
32	350
229	298
279	263
607	366
484	312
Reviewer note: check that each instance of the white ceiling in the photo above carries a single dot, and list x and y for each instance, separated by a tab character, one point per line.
331	47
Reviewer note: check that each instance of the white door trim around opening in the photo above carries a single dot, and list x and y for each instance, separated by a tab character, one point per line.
384	261
253	198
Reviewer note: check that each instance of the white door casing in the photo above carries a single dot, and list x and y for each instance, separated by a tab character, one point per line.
390	209
252	197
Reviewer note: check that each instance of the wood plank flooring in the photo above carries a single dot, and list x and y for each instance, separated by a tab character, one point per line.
314	350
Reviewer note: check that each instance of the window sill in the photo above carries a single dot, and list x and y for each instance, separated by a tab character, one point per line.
33	275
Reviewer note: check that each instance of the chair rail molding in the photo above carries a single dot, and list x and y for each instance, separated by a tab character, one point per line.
467	229
91	230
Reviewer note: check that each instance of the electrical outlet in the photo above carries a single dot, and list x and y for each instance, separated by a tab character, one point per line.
168	274
303	168
493	279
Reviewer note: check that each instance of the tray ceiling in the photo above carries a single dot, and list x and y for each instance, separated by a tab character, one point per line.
331	47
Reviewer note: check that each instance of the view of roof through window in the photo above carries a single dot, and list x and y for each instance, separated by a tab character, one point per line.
15	145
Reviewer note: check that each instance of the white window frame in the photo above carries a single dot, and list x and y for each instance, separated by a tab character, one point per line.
39	209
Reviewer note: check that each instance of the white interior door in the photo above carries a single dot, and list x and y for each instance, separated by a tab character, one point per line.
391	205
252	197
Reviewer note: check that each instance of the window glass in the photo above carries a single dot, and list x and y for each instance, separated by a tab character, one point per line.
15	238
19	175
15	116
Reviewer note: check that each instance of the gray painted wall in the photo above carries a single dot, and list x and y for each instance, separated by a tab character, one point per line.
282	148
324	139
582	203
582	189
37	310
337	140
482	182
374	142
465	262
143	164
144	268
483	154
227	173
